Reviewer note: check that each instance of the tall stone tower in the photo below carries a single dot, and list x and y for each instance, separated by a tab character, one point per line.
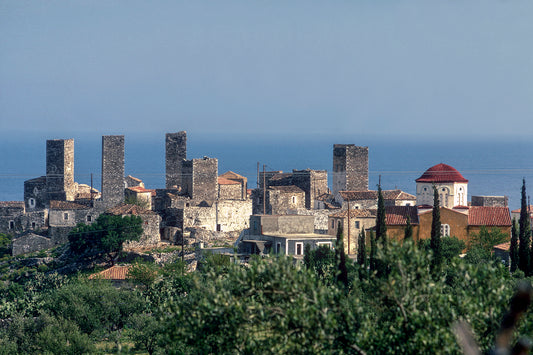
176	153
350	168
112	170
60	170
200	178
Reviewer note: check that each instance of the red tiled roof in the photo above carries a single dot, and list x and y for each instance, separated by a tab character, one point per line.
129	209
397	215
224	181
232	176
117	272
140	189
66	205
504	246
489	216
19	204
441	173
134	178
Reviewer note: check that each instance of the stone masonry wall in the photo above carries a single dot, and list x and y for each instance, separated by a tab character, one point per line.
175	154
490	201
350	168
60	169
200	178
112	170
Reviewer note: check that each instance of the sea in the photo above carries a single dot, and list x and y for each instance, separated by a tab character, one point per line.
493	167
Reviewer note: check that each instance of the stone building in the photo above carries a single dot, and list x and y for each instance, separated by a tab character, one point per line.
313	182
30	242
131	181
60	169
151	224
140	195
200	179
112	170
451	186
35	193
64	216
236	186
287	235
369	198
175	155
490	201
280	200
11	213
350	168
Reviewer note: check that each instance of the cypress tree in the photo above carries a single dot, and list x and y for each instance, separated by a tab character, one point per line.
361	248
342	273
408	232
524	233
513	250
436	233
373	251
381	225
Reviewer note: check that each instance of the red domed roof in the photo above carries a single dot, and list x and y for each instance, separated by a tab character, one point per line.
441	173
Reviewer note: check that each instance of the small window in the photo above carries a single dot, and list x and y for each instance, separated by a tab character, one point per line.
32	225
327	244
357	224
219	228
445	230
333	223
408	204
11	224
299	248
293	198
31	202
89	218
65	216
278	248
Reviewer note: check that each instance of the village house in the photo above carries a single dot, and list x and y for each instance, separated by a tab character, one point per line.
369	199
286	235
150	224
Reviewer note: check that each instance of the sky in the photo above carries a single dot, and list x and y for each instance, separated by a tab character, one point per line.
398	68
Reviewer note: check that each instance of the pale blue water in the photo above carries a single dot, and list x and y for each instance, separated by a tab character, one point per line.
491	168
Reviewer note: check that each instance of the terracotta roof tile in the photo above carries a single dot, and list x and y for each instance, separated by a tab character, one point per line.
489	216
518	210
67	205
224	181
116	272
232	176
441	173
397	215
140	189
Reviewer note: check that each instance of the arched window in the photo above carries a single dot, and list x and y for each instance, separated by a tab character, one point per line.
31	202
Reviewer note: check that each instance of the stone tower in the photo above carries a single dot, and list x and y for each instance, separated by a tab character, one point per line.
350	168
200	178
112	170
60	170
176	153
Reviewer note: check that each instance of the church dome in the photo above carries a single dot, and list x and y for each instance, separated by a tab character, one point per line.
441	173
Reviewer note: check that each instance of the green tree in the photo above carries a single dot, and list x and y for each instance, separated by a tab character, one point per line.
373	252
524	233
408	232
361	248
451	247
107	234
143	273
513	249
5	244
436	232
381	222
321	260
486	239
340	257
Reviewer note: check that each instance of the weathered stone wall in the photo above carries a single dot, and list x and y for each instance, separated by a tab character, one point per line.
230	192
35	193
288	224
60	169
281	202
490	201
200	179
200	217
175	154
151	233
59	235
10	217
112	170
36	220
233	215
312	182
321	219
350	168
30	243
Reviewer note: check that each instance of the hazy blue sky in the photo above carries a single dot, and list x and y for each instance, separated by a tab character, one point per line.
449	68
